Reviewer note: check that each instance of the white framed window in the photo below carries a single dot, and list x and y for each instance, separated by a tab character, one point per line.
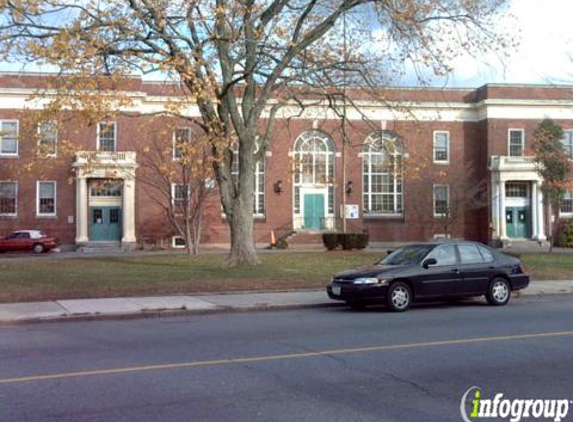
9	138
441	200
178	242
567	142
382	176
314	167
107	136
259	181
180	136
441	146
48	138
567	204
180	194
8	198
46	194
515	142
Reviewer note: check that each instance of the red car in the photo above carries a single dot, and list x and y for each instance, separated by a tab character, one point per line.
28	240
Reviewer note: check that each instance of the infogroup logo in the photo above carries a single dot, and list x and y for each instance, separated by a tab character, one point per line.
474	407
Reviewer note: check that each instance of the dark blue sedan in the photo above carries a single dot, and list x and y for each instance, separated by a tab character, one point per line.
431	271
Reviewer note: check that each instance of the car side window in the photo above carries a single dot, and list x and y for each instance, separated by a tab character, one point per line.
444	255
470	254
486	254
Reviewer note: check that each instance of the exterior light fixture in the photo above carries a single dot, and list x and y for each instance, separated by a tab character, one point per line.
349	187
278	187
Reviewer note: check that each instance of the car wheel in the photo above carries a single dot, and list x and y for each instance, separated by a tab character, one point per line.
499	292
356	306
38	248
399	297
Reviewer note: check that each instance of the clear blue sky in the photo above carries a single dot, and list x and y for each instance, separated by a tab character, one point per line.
545	53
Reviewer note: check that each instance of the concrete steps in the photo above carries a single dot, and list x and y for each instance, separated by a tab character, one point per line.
101	247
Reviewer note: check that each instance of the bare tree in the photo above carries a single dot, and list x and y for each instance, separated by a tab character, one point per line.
177	170
242	61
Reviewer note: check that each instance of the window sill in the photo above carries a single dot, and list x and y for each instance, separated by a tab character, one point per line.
46	216
9	215
9	156
442	163
383	216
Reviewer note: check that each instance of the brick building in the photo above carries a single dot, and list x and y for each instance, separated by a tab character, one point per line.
440	143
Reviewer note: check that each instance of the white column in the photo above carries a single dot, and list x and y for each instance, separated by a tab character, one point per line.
502	228
495	217
534	211
540	215
128	212
81	210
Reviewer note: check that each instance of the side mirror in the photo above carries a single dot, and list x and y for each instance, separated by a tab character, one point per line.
389	251
428	262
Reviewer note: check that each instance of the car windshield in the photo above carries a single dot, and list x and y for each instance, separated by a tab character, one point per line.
412	254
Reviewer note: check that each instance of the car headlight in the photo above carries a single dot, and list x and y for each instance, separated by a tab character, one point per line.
368	280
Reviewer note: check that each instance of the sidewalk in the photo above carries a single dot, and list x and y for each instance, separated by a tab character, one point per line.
11	313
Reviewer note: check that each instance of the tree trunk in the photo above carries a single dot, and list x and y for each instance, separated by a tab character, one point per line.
243	250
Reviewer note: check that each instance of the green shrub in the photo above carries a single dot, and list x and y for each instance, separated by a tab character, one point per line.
565	237
347	241
330	241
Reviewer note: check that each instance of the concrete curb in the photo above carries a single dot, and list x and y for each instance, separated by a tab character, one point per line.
199	304
165	313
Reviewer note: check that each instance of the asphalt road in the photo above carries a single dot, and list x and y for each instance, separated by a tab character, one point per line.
307	365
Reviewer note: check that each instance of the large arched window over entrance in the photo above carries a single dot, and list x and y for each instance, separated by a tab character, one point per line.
314	181
382	175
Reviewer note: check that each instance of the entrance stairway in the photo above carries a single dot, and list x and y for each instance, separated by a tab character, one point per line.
305	240
101	248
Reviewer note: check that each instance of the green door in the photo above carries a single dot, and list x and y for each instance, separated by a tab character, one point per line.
105	223
517	222
314	211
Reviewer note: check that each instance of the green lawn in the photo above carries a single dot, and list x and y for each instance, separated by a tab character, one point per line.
66	278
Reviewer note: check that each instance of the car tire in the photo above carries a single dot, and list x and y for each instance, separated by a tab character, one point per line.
38	248
399	297
498	292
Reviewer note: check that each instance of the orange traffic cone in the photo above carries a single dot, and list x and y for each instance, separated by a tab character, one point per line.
273	239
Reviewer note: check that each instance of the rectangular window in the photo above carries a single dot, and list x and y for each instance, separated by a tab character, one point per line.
516	142
107	137
177	242
8	198
180	137
46	199
8	138
259	182
567	142
382	183
180	193
516	190
47	138
567	205
441	147
106	188
441	200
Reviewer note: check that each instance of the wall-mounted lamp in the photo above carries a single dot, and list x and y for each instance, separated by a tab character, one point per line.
349	187
278	187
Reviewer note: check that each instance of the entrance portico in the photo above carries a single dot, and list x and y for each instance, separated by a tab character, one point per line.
517	199
105	217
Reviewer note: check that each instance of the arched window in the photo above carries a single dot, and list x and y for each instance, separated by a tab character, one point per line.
314	165
259	180
382	175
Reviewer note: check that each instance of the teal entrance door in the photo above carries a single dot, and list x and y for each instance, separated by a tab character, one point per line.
105	223
314	211
517	222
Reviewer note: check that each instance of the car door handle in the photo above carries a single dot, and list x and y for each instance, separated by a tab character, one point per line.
456	270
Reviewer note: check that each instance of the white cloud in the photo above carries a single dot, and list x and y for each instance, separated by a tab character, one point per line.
544	54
